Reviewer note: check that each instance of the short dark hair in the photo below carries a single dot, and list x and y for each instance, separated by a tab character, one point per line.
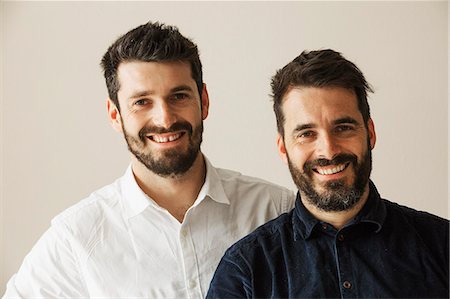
322	68
151	42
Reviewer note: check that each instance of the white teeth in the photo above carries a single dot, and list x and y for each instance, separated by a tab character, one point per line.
162	139
172	138
334	170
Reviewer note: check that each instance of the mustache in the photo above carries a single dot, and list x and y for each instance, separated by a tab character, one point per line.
177	126
339	159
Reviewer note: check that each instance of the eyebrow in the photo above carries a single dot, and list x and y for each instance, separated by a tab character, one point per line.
143	93
302	127
181	88
344	120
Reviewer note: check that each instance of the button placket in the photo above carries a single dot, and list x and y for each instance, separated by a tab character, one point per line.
190	263
343	259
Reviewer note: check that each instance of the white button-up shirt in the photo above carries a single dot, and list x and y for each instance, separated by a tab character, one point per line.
119	243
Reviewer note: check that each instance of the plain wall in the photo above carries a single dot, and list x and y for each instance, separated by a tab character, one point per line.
57	145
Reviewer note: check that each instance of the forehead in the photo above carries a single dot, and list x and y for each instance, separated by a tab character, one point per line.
317	104
153	75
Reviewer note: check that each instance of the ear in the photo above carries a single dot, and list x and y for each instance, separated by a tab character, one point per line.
371	132
114	116
281	148
205	102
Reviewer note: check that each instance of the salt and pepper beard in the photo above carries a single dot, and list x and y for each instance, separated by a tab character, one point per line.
172	162
337	195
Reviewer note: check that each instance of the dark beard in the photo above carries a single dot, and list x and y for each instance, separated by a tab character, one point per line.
173	162
337	195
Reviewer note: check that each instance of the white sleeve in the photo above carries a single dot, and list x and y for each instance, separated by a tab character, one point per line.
50	270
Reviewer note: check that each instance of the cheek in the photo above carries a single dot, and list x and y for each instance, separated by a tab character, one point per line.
190	113
194	114
132	125
359	148
298	155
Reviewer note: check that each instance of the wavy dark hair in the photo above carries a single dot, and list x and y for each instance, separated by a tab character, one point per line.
322	68
151	42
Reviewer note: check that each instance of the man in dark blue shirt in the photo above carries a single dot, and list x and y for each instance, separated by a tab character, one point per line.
341	240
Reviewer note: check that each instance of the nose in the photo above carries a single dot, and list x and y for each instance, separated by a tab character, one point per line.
327	147
163	114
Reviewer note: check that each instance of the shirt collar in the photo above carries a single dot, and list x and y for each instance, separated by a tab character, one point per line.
212	187
302	220
135	201
373	212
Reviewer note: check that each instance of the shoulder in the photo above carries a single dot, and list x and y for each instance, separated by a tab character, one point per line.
90	212
247	192
414	217
244	183
267	235
430	230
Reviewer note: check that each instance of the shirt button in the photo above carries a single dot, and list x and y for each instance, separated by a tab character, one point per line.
347	284
192	284
324	226
341	237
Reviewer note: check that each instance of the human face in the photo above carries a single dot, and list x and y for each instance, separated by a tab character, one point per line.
161	115
327	146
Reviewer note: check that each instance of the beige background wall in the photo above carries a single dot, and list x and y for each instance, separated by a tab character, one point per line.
57	146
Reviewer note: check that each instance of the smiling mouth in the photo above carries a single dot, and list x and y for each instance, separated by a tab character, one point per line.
333	169
165	138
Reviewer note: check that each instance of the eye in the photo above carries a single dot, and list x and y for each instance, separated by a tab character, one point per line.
306	134
180	96
344	129
140	102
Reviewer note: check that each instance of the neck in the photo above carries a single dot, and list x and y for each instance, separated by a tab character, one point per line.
175	194
340	218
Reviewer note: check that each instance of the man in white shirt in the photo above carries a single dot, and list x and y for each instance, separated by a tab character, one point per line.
160	230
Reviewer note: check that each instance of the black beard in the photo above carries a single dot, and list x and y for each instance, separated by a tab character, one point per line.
173	162
337	195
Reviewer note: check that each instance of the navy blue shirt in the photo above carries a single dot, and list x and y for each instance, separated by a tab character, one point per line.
387	250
